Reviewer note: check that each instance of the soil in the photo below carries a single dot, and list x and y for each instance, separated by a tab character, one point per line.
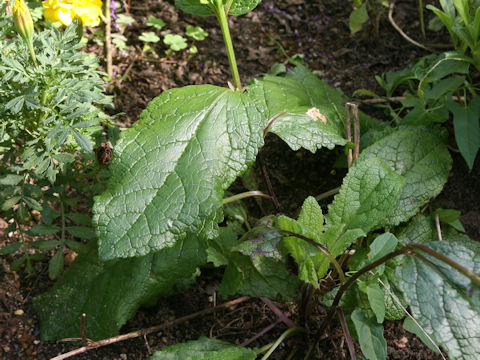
317	30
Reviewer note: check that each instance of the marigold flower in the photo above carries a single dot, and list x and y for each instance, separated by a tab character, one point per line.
65	11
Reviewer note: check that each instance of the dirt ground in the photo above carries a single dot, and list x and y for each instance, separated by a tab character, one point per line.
319	31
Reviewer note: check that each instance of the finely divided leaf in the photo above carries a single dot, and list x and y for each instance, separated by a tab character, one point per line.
422	159
109	293
172	167
204	349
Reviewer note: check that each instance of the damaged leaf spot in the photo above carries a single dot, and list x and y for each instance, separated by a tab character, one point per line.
315	114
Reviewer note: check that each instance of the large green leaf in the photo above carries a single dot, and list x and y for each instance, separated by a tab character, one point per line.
303	110
172	167
204	349
207	7
110	293
368	194
440	299
422	158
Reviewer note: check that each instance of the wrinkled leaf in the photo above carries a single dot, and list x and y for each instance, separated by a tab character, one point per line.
172	167
422	159
207	7
368	194
441	299
109	293
55	266
204	349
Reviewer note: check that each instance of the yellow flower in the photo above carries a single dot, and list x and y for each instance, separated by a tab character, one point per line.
65	11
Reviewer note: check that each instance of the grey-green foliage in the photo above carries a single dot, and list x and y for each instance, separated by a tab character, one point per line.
50	110
204	349
172	167
109	293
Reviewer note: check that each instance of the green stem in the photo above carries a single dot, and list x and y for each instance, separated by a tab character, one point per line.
243	196
222	18
280	339
62	209
327	194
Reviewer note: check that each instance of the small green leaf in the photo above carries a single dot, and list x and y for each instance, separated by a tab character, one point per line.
81	232
357	18
45	245
450	217
10	203
56	264
196	32
467	128
17	264
15	105
10	248
80	219
82	141
205	349
376	300
149	37
125	19
176	42
11	179
381	246
43	229
157	23
370	336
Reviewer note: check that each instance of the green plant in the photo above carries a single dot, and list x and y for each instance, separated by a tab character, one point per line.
462	20
158	220
360	15
50	121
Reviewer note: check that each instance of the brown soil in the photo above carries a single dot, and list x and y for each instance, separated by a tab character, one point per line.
319	31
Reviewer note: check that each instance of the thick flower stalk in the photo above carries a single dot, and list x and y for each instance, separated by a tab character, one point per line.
24	25
65	11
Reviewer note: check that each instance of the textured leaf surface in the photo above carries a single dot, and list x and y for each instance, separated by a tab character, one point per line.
110	293
172	167
196	7
204	349
368	194
422	159
441	299
255	265
286	101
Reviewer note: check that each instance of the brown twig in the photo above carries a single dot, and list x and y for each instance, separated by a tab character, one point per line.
405	36
283	317
261	333
348	338
142	332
